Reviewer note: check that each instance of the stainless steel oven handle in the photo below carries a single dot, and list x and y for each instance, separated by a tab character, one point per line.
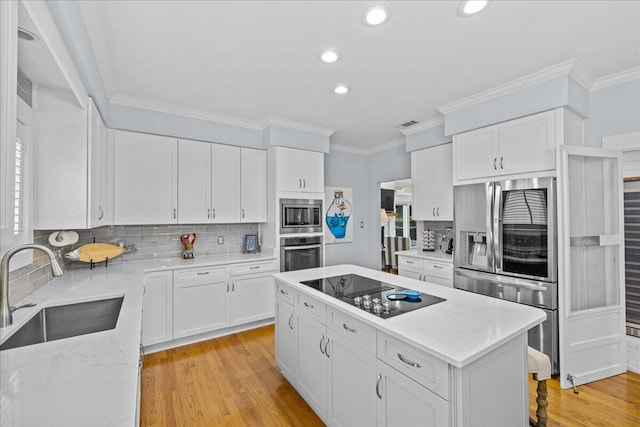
504	280
293	248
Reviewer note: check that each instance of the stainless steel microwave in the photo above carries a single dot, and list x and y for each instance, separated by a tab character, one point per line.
300	216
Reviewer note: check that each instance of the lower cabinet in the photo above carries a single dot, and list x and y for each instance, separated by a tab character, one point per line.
285	339
251	298
403	402
311	362
199	307
440	273
157	308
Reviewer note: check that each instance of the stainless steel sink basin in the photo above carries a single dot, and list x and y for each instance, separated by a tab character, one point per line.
65	321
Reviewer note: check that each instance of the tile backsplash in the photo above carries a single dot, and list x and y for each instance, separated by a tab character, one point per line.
437	226
150	242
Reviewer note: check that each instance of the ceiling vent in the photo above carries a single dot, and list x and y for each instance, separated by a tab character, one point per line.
406	124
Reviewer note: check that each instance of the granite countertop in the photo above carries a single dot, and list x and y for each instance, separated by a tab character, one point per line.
459	330
89	379
428	255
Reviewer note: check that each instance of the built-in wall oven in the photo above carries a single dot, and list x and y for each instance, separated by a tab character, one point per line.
297	253
300	216
506	247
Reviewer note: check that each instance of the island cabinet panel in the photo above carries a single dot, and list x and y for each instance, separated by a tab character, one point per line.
351	398
157	308
285	339
311	362
403	402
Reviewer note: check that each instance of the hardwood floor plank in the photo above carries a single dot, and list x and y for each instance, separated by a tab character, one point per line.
234	381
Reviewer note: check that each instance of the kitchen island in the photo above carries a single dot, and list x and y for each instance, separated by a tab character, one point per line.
462	361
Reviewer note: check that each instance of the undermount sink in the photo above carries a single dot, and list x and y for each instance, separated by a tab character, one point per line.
65	321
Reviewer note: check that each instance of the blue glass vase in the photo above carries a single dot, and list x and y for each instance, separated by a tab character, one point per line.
338	215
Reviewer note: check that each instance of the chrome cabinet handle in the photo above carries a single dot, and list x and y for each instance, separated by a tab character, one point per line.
291	322
378	386
304	183
321	344
438	211
408	362
352	330
439	267
326	349
144	290
203	273
255	267
409	262
283	292
233	286
174	214
501	158
495	166
101	213
227	287
308	305
433	212
214	213
299	182
242	213
208	213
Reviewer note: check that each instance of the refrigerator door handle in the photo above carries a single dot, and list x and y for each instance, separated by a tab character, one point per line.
489	224
497	227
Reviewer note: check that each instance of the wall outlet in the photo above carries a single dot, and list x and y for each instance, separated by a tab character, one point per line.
221	240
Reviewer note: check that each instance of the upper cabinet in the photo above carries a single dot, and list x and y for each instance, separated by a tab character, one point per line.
253	185
518	146
145	187
432	181
73	160
299	170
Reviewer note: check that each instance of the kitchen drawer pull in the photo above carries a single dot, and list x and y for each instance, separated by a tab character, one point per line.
410	262
321	344
291	322
408	362
439	267
352	330
326	349
203	273
378	386
255	267
283	292
306	304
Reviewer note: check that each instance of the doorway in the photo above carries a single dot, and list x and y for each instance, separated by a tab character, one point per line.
397	227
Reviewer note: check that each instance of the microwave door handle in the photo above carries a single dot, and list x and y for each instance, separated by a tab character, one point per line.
293	248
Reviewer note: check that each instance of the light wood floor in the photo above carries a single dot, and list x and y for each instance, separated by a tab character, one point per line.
233	381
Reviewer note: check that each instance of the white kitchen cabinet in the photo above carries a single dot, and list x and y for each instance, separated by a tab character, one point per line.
403	402
253	185
157	308
225	183
194	182
199	300
299	170
432	181
285	339
518	146
351	400
251	298
71	165
145	179
311	361
426	270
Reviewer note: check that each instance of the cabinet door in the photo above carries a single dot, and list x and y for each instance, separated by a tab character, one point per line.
404	403
528	144
444	182
311	362
351	399
288	176
414	274
251	298
157	308
145	179
97	185
194	184
225	183
312	172
423	192
475	154
253	192
199	307
285	345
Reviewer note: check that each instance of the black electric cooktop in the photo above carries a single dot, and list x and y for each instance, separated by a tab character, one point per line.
374	296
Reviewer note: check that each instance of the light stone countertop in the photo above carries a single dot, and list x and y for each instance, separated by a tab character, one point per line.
459	330
436	255
89	379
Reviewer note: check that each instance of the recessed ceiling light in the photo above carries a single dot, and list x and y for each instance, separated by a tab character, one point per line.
329	56
376	15
341	89
471	7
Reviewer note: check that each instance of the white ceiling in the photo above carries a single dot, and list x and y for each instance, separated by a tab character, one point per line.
254	59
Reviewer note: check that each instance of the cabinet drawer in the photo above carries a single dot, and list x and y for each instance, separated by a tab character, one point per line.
253	267
410	263
201	274
421	367
311	306
352	329
443	271
284	292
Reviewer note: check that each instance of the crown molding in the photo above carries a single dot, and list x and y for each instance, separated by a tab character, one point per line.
572	67
617	78
348	149
419	127
386	146
161	107
290	124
